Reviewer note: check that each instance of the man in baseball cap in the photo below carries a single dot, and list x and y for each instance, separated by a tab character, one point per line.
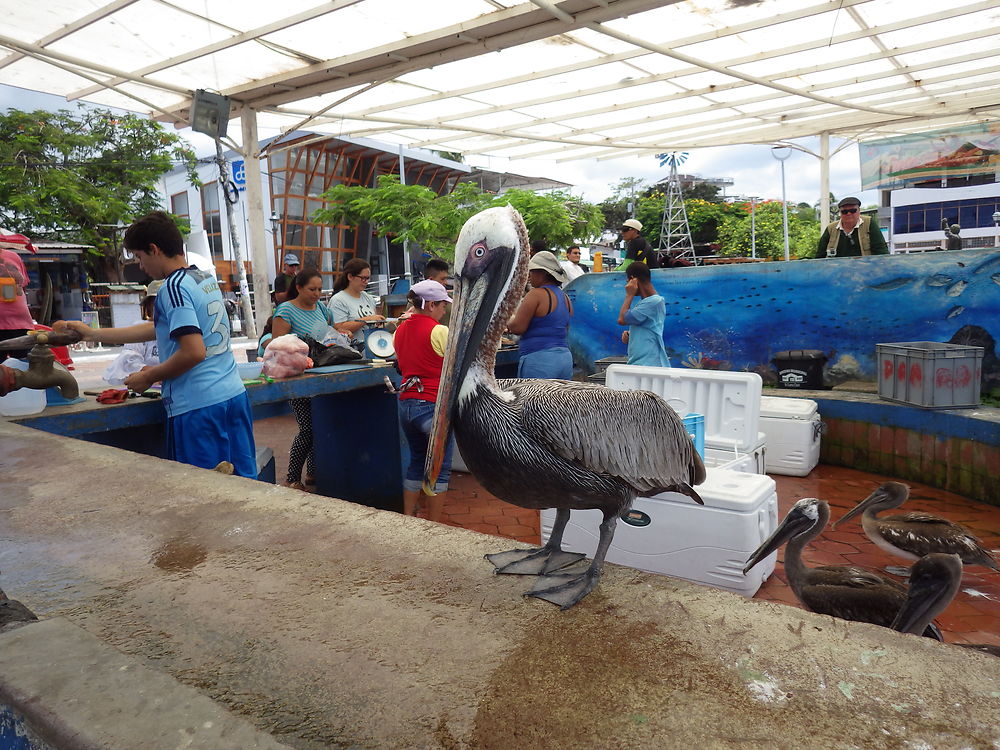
853	235
638	248
284	280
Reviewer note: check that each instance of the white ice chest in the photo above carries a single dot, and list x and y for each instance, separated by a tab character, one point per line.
729	401
793	428
672	535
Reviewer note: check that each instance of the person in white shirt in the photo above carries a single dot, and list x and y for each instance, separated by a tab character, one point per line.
572	264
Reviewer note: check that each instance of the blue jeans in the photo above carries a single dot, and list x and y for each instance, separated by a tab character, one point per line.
416	417
556	362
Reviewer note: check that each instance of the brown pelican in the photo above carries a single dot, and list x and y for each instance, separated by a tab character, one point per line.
544	443
842	591
913	535
934	581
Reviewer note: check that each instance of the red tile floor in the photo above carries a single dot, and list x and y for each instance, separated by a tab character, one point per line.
973	617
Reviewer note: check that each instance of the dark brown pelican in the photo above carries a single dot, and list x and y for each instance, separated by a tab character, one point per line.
934	581
544	443
846	592
913	535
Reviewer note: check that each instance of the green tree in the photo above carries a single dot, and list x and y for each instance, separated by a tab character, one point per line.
615	207
73	177
417	214
735	233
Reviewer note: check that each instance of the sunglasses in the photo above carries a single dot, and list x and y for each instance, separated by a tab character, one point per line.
848	210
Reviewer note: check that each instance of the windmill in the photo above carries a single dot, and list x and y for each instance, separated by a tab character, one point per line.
675	235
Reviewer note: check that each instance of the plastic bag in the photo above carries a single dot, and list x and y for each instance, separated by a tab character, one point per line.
286	356
124	365
335	354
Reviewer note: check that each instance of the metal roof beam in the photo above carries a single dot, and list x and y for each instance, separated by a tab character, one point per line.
239	38
70	28
514	26
859	59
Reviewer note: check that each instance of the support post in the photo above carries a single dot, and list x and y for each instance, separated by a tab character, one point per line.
824	180
255	214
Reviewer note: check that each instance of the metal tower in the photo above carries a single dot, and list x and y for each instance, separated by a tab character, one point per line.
675	235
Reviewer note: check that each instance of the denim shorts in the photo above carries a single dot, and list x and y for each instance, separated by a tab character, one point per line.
556	362
416	417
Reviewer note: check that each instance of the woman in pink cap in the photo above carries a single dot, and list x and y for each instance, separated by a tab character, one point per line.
420	341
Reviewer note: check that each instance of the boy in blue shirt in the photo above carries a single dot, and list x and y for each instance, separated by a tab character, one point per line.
208	411
645	319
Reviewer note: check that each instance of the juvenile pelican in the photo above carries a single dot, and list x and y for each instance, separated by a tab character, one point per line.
913	535
934	581
544	443
846	592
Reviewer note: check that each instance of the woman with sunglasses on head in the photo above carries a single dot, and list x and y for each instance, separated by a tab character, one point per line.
852	235
353	308
302	314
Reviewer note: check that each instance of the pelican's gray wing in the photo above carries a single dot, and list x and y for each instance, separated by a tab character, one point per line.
633	435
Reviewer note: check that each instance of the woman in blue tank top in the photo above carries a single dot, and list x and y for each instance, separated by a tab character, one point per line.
542	319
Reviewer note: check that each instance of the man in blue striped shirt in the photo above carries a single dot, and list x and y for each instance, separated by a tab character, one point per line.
208	413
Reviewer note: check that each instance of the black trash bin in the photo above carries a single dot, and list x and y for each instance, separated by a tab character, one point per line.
800	368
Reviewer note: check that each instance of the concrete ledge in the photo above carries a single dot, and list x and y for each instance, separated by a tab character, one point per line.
328	624
76	693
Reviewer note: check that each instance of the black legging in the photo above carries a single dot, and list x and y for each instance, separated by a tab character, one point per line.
302	447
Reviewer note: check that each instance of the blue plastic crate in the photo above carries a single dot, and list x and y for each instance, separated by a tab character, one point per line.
695	425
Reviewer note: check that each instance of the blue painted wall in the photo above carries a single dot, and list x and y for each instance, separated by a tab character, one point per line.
736	317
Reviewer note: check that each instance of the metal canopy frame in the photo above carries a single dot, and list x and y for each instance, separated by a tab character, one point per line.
576	79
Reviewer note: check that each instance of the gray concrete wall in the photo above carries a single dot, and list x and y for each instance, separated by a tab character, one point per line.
329	624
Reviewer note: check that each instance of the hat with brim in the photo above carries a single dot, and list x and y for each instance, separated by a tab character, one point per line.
291	259
849	202
632	224
546	261
152	289
430	291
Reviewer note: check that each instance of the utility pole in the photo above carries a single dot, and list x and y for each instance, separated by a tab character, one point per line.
251	325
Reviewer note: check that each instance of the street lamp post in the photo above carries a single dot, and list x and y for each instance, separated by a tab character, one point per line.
781	153
996	226
753	226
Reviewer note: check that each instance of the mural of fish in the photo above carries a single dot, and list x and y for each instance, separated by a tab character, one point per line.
742	314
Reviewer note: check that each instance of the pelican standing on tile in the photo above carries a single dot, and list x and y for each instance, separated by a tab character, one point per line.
847	592
934	581
913	535
544	443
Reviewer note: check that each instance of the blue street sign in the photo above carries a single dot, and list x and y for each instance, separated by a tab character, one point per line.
240	175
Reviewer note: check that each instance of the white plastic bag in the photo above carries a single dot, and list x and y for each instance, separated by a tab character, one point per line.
124	365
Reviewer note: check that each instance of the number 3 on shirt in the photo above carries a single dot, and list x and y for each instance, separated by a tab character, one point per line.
217	340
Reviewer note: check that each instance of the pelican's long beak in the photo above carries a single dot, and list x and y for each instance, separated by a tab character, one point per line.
795	523
463	317
877	496
934	581
471	315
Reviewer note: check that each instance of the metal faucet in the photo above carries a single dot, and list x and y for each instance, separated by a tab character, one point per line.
43	370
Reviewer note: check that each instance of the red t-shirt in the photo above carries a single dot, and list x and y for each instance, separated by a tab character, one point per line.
416	356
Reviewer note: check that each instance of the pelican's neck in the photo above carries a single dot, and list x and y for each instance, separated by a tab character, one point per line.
795	568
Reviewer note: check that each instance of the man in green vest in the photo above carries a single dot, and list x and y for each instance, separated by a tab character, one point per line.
852	235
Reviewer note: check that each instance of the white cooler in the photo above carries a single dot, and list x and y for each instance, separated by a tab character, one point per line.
729	401
793	430
673	535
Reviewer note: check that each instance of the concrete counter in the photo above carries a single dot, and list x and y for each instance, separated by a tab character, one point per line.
329	624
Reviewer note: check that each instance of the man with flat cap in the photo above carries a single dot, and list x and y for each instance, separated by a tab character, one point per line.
852	235
285	280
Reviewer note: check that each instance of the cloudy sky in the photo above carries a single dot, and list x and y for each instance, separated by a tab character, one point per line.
753	170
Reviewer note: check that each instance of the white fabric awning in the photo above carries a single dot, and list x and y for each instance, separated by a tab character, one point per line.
542	79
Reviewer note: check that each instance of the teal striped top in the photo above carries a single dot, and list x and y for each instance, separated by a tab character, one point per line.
305	322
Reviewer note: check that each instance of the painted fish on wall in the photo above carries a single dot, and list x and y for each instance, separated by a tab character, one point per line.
738	316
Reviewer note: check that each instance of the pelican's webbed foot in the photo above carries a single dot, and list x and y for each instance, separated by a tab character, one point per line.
565	589
537	561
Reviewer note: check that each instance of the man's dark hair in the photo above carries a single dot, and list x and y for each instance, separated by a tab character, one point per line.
538	246
436	265
157	228
637	270
572	247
